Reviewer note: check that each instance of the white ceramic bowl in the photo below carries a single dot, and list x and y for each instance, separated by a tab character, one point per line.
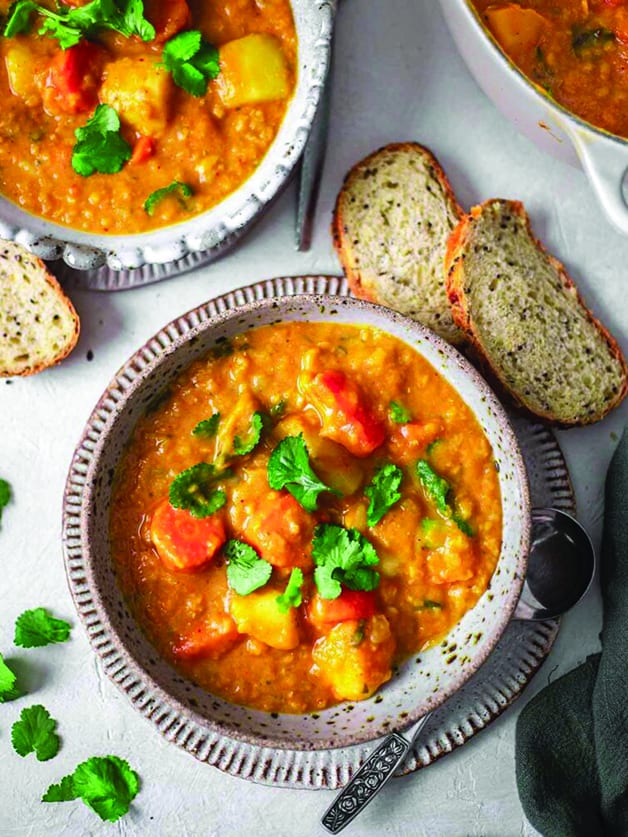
603	156
214	229
194	718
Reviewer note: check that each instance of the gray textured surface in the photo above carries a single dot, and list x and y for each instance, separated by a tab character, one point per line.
401	46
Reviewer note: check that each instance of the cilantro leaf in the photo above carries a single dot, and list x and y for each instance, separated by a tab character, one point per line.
246	571
37	627
463	525
35	733
131	21
106	784
8	683
432	446
100	146
208	427
192	490
343	555
289	467
191	61
383	492
398	413
437	488
159	194
291	596
5	495
243	446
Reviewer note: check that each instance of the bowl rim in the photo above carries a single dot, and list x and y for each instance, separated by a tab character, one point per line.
475	18
121	665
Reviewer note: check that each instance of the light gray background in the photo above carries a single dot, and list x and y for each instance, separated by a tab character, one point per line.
397	77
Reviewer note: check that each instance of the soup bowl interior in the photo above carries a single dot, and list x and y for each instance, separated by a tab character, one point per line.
152	684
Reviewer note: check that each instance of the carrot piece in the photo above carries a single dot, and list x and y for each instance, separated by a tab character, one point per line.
212	637
517	30
186	543
73	79
143	150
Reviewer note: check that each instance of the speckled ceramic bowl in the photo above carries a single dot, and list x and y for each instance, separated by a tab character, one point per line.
179	708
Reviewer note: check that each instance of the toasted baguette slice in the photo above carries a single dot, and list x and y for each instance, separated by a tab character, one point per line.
526	319
38	323
391	223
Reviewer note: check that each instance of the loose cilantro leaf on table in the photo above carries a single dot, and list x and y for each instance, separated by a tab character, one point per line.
289	467
437	488
192	61
193	490
383	492
100	146
37	627
5	495
243	446
343	556
398	413
291	596
35	733
246	571
106	784
208	427
8	683
158	195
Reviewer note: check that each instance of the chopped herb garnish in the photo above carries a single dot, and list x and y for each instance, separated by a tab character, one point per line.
358	635
193	490
584	39
208	427
5	495
398	413
289	467
100	145
437	488
291	596
428	525
106	784
8	683
185	191
35	628
430	604
463	525
192	61
35	733
383	492
246	571
343	556
432	446
278	409
242	446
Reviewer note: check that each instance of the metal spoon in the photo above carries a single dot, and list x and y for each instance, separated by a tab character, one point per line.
561	566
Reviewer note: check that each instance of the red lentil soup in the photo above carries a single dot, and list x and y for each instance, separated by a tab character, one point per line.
306	507
186	136
577	50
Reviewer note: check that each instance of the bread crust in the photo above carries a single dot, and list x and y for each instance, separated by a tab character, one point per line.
45	275
455	285
342	242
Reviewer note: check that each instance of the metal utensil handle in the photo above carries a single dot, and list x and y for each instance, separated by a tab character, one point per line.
366	783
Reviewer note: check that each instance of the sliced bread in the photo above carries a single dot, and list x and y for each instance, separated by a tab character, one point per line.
524	316
391	223
38	323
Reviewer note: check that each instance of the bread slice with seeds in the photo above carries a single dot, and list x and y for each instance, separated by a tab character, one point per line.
391	223
524	316
38	323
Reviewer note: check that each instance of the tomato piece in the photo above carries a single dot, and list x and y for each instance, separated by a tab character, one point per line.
143	150
350	604
168	17
212	637
186	543
344	414
73	79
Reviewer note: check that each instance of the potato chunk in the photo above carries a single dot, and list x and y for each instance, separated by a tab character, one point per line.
518	30
141	93
258	615
252	69
453	560
355	657
22	70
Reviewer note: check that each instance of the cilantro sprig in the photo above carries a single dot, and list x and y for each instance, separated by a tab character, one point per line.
8	683
289	467
69	25
383	492
100	147
191	61
35	628
246	571
106	784
242	446
292	595
5	495
193	489
35	733
343	556
207	428
438	489
184	190
398	413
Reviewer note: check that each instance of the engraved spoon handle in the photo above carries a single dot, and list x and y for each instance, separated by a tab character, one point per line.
370	778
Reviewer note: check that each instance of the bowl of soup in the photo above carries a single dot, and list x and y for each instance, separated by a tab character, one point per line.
138	133
559	71
299	523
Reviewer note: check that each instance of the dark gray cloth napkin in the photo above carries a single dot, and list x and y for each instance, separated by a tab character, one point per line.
572	738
